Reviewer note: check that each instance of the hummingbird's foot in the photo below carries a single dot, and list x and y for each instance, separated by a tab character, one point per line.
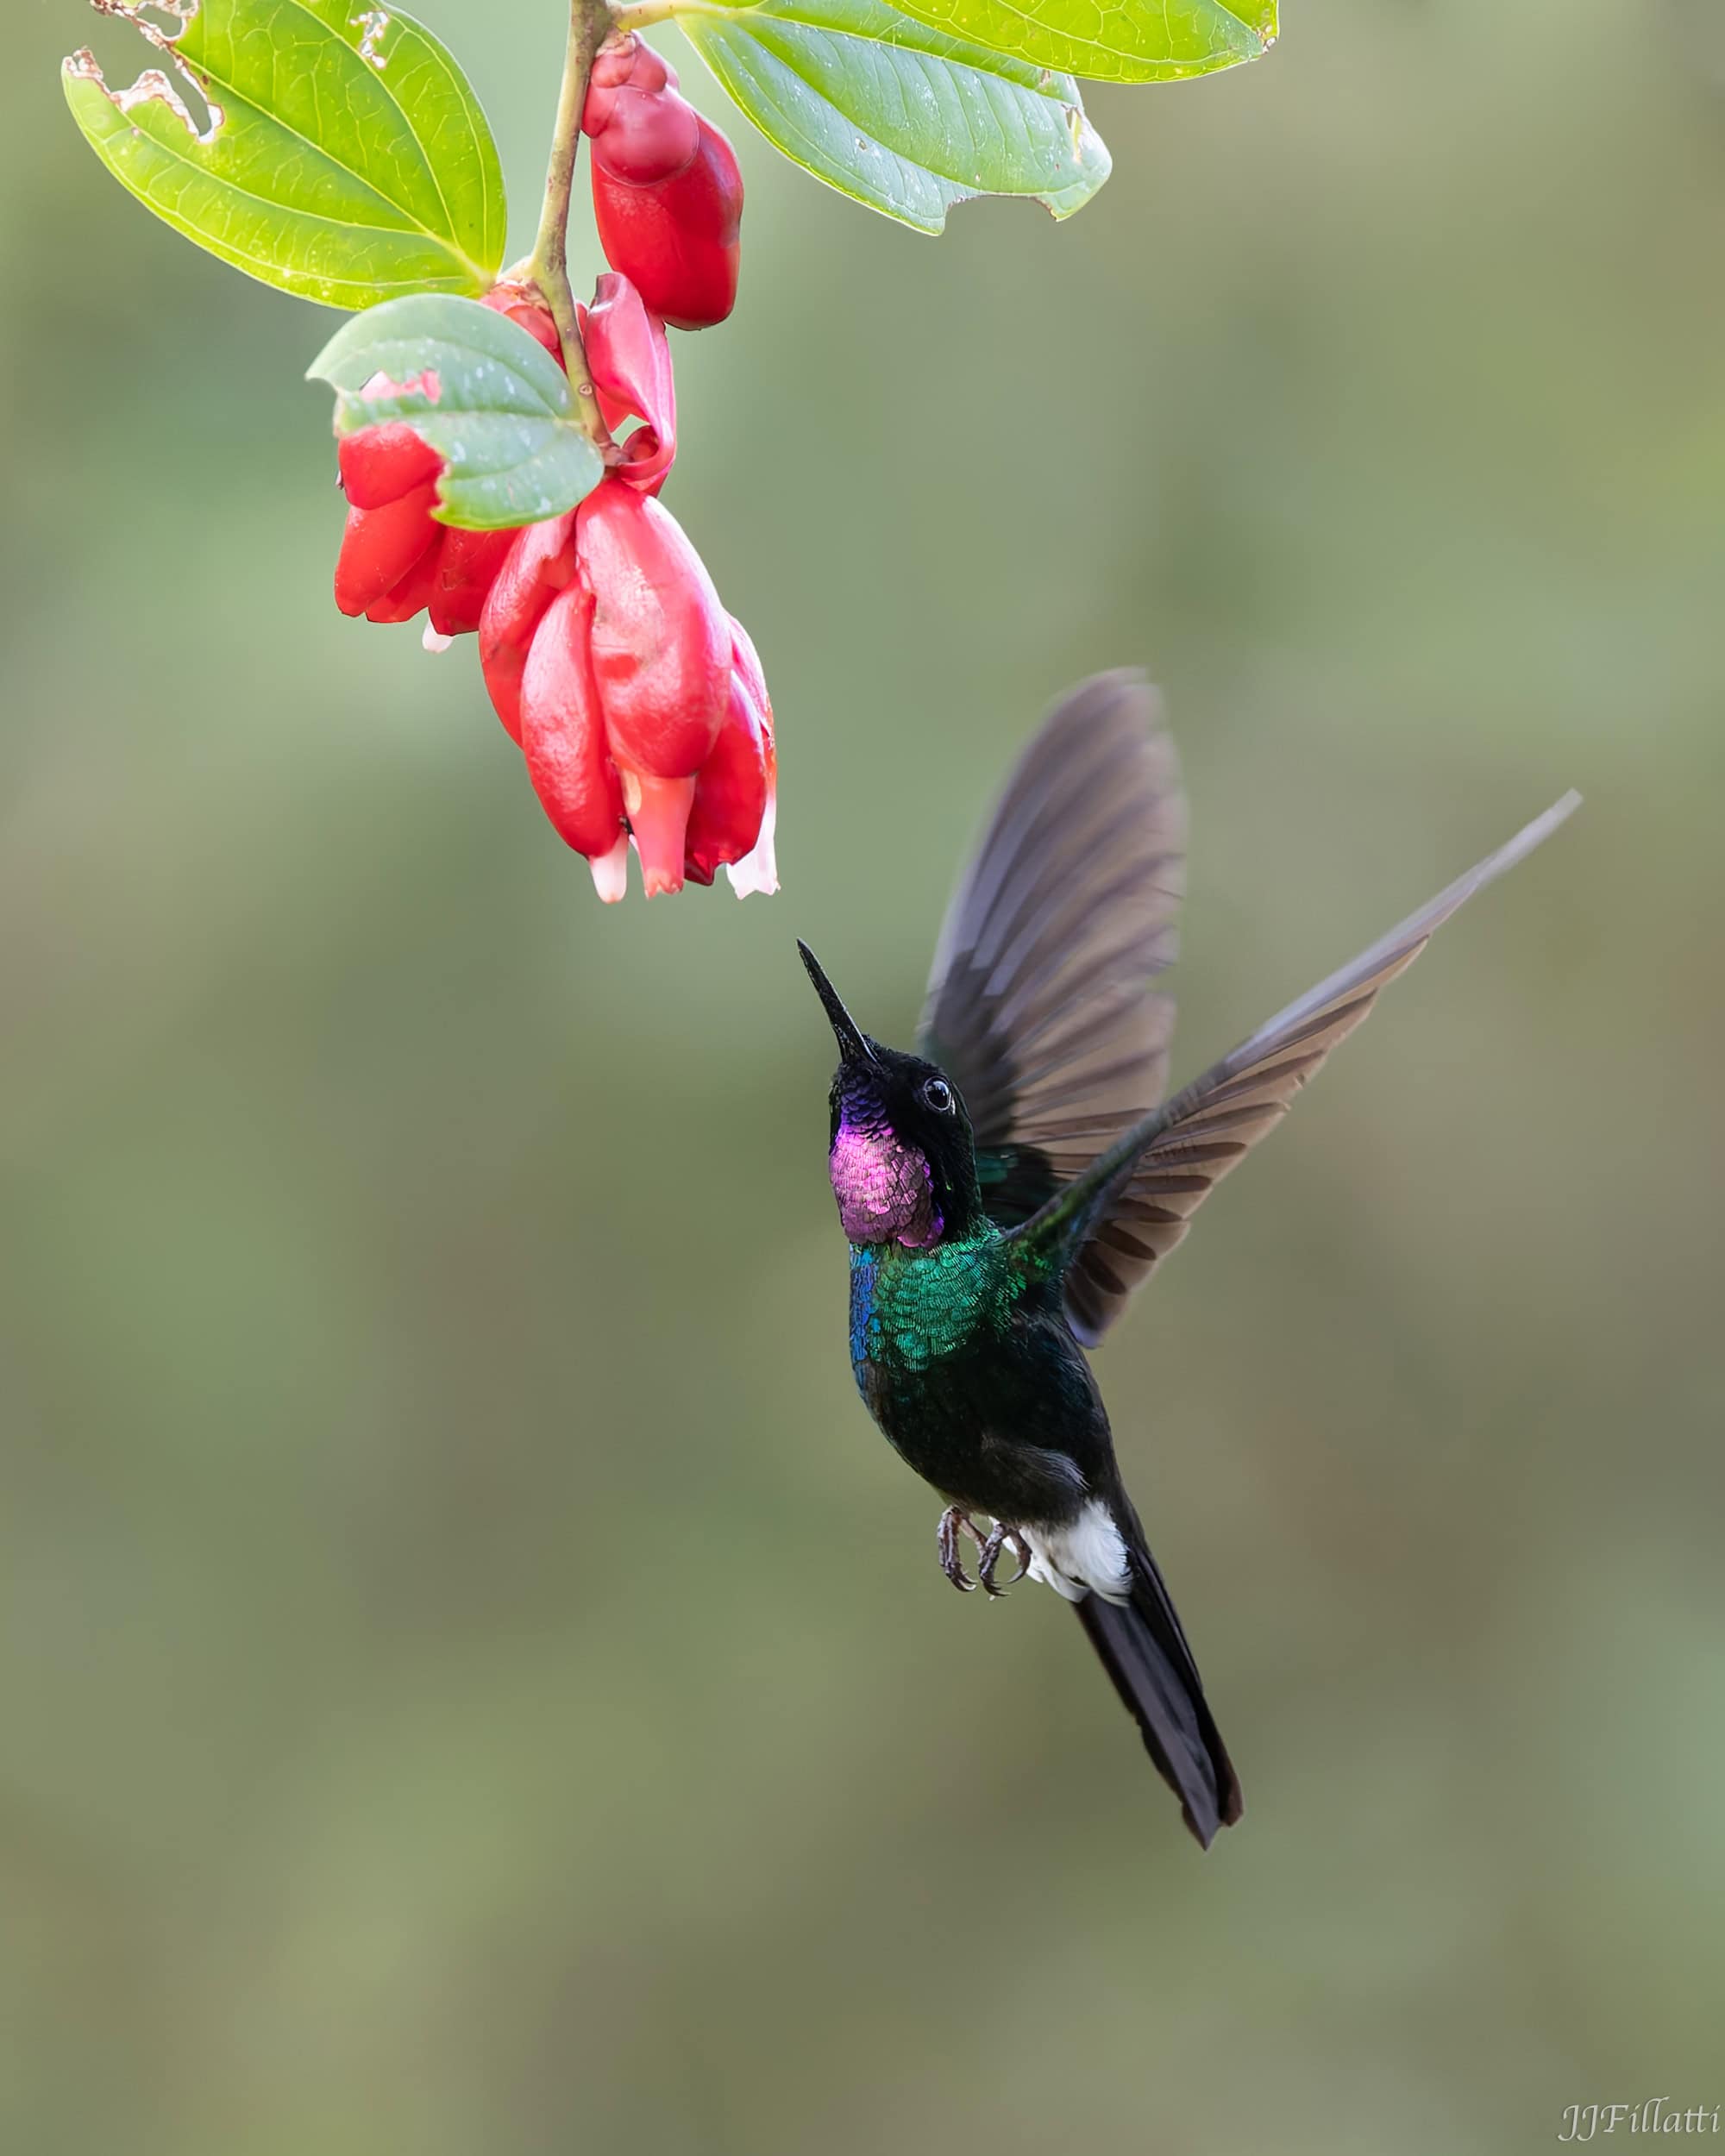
1001	1538
955	1521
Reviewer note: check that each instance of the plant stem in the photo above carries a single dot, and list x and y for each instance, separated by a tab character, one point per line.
548	265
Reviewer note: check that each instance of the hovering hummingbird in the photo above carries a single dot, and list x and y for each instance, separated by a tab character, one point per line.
1006	1187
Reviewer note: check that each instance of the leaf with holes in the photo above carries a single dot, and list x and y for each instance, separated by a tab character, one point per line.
907	119
493	402
345	157
1111	40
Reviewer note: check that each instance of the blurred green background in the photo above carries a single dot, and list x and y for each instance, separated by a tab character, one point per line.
471	1678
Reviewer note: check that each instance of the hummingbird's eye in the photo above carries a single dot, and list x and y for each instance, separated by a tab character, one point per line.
938	1095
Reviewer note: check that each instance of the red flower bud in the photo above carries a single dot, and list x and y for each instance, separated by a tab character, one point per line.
379	465
650	136
661	642
523	306
409	593
756	868
747	661
396	558
562	735
730	794
634	696
629	359
626	62
668	198
540	563
467	563
381	545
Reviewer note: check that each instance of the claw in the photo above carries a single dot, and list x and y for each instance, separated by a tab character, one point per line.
955	1521
1001	1538
988	1559
951	1564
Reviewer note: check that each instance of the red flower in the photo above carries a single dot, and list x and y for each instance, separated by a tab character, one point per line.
735	794
628	358
523	306
396	558
668	195
639	703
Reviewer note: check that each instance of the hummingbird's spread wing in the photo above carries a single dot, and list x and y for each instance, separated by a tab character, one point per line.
1038	1006
1134	1202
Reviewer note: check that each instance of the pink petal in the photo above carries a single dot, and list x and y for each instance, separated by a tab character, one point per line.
630	358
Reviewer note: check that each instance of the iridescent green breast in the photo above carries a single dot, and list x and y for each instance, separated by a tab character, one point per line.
910	1309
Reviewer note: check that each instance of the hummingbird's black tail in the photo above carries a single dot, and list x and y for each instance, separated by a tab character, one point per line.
1145	1651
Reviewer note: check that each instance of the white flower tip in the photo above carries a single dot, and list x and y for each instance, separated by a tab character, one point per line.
750	876
758	870
610	872
433	641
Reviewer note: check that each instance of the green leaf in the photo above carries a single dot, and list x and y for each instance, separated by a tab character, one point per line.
1111	40
490	400
345	158
905	118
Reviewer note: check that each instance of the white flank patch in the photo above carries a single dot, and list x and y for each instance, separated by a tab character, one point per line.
1085	1558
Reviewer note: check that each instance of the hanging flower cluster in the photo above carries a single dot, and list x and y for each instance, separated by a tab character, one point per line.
639	703
342	154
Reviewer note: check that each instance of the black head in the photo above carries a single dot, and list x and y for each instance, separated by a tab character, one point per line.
901	1156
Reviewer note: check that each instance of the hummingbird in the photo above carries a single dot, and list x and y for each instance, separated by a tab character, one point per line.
1006	1187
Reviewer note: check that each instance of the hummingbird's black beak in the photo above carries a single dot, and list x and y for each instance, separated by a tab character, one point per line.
853	1046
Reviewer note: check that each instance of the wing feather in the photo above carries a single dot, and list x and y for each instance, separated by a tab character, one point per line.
1038	1006
1115	1220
